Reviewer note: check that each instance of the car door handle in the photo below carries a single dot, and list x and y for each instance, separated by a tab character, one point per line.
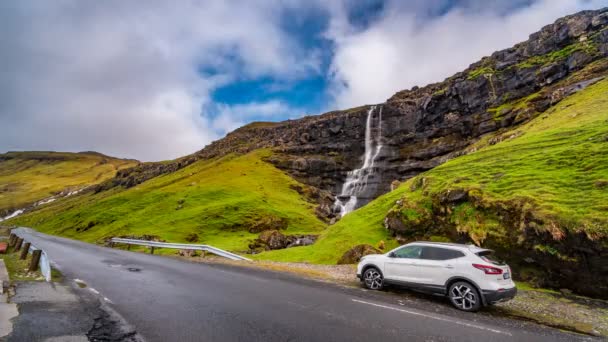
449	266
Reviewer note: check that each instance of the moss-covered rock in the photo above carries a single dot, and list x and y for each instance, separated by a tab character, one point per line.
354	255
539	250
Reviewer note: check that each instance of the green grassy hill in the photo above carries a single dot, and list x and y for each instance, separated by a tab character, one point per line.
27	177
219	200
539	197
559	161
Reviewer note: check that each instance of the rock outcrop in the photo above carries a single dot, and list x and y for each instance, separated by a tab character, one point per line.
354	255
273	239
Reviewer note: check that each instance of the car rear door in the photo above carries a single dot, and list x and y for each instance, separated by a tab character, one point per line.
436	264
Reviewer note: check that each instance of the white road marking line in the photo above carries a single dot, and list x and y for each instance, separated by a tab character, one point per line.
434	317
93	290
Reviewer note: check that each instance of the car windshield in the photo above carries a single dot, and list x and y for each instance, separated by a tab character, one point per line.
488	256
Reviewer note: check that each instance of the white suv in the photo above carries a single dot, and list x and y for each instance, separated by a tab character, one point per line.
470	276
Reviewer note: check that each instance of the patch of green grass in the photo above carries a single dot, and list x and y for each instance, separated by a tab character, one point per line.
214	199
484	70
523	286
519	104
26	177
365	225
588	46
556	163
18	270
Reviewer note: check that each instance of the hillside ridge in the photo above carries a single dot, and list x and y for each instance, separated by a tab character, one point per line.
32	178
424	126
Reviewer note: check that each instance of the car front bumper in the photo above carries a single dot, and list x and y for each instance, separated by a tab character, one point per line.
502	295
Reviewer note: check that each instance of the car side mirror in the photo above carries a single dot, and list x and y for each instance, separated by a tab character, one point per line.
391	255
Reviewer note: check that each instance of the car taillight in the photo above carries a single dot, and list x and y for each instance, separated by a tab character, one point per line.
488	269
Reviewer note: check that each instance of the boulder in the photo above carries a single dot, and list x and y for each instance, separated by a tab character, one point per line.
454	196
188	253
273	239
269	222
354	255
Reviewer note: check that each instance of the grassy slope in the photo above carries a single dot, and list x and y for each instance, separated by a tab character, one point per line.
30	176
215	197
560	160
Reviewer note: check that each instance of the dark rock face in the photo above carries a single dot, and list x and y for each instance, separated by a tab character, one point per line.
422	127
273	239
354	255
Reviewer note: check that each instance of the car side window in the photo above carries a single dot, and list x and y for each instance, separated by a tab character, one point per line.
438	253
409	252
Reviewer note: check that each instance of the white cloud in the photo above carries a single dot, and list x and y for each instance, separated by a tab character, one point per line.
404	48
124	78
134	79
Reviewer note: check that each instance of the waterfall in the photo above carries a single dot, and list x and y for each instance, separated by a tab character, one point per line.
357	184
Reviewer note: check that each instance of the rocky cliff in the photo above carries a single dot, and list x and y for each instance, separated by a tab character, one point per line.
423	127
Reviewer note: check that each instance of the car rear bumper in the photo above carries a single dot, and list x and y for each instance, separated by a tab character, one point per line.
501	295
359	276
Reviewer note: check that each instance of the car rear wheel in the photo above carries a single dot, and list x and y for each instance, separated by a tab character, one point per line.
372	279
464	296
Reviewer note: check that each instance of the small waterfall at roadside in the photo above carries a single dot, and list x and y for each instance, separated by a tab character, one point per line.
357	181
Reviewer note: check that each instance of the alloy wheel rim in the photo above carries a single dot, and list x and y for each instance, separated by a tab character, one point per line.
373	279
463	297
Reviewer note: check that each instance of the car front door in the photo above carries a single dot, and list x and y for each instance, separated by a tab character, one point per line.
402	263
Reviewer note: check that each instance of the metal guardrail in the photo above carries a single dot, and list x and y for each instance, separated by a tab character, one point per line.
156	244
44	263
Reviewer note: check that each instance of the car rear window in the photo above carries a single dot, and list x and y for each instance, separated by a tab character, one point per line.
488	256
437	253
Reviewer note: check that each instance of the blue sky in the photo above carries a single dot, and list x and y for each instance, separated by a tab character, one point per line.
161	81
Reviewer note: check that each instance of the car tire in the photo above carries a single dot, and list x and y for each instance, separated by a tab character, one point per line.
464	296
373	279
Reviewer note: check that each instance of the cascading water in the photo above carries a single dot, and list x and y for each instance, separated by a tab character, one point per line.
358	181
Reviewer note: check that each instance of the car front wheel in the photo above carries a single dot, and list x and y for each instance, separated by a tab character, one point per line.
372	278
464	296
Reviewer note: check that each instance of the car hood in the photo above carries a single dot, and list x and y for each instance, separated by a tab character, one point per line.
371	256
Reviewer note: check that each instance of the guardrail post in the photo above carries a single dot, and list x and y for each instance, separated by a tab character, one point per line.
152	250
24	251
11	240
35	260
128	246
18	244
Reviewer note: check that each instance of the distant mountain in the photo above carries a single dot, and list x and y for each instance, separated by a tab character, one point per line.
509	154
27	178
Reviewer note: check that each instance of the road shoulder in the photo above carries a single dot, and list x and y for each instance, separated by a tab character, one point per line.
548	308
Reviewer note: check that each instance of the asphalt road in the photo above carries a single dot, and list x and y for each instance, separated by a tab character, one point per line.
171	300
